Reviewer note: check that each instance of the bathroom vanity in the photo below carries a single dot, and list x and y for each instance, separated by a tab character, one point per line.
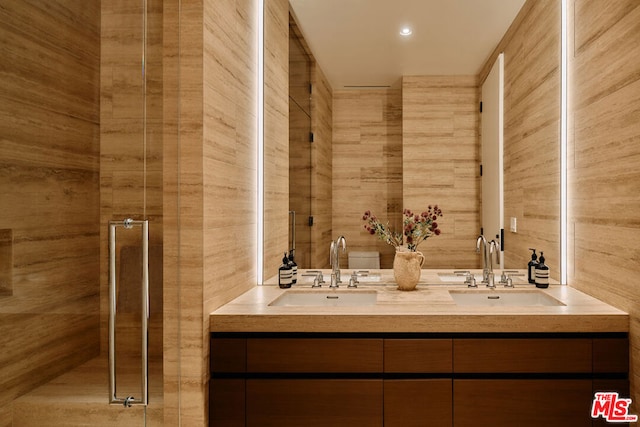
415	358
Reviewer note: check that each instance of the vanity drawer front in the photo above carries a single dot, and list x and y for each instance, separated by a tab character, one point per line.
610	355
522	355
314	403
227	402
418	355
314	355
228	354
418	402
522	403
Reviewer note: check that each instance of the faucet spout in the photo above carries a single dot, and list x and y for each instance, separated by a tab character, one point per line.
486	269
495	248
334	258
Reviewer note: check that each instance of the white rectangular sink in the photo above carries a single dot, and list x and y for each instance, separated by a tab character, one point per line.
513	298
326	298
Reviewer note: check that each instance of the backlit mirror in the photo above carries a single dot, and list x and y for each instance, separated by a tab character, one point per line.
398	126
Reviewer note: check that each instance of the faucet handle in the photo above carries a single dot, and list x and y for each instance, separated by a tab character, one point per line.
505	275
470	280
353	280
319	279
510	275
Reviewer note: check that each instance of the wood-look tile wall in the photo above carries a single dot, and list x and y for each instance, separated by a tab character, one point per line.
210	213
49	191
440	158
604	160
171	34
531	49
367	166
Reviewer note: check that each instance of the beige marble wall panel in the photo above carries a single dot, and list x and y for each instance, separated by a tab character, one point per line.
171	275
49	128
440	158
221	236
190	179
604	182
367	166
276	135
321	160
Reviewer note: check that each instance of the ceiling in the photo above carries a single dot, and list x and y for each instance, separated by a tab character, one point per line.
358	42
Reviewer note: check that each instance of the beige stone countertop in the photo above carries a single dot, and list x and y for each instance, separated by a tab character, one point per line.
430	308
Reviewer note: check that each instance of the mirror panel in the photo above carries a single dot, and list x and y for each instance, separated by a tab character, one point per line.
299	150
531	165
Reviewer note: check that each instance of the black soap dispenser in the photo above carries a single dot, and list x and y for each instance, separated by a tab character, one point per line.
531	270
294	268
542	273
285	273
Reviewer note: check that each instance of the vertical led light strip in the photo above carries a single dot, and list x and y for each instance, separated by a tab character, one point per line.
260	144
563	144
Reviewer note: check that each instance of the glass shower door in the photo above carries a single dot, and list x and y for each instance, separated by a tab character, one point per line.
131	189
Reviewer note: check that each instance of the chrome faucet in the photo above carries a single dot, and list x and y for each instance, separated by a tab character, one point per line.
485	258
494	247
488	249
334	260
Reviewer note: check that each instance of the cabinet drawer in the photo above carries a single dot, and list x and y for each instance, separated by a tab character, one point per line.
418	355
318	355
514	355
610	355
522	403
309	403
227	402
418	402
228	354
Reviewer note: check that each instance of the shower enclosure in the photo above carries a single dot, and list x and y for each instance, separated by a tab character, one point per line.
82	136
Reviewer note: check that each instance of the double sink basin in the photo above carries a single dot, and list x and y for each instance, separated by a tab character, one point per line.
351	298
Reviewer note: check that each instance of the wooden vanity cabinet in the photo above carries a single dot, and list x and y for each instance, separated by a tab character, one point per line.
409	380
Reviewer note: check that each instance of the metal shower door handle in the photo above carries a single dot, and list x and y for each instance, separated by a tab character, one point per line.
129	400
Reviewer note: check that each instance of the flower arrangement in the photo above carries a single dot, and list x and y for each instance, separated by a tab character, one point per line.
416	227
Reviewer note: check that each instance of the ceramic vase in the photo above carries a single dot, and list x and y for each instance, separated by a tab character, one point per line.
406	269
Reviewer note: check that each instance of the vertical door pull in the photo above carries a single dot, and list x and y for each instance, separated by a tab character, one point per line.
129	400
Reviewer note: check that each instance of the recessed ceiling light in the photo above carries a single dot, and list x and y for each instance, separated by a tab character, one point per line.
405	31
